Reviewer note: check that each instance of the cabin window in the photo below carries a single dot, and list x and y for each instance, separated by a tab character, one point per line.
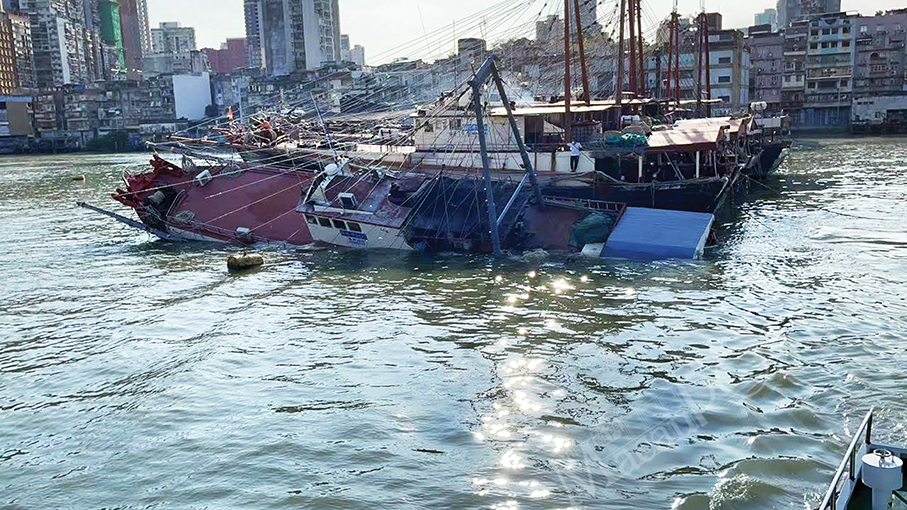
429	127
354	227
324	222
339	224
312	220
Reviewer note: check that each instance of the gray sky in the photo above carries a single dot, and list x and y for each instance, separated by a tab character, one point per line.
385	26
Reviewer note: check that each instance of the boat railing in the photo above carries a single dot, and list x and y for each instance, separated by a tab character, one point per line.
848	466
597	205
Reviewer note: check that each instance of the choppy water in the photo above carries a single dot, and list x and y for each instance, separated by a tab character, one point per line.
136	374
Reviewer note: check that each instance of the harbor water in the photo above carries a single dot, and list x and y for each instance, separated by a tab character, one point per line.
140	374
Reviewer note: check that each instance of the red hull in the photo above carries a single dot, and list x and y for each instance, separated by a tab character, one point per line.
262	200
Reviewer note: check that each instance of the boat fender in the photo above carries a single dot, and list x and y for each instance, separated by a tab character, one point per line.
244	261
883	473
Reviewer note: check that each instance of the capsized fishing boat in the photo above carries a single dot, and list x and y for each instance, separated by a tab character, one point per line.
231	202
870	477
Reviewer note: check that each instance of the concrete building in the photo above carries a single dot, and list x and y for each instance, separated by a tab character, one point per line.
171	37
9	76
20	26
183	62
16	125
230	57
793	74
136	35
793	10
729	59
829	71
112	54
357	55
58	39
766	49
550	29
880	61
345	48
767	17
287	36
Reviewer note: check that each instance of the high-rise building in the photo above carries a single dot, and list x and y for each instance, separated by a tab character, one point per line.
230	57
136	35
285	36
16	47
9	79
171	37
357	55
345	48
113	57
59	40
793	10
549	29
767	17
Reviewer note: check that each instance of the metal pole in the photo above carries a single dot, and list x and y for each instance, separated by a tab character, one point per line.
568	120
489	193
708	66
524	152
641	64
587	96
619	93
631	16
676	57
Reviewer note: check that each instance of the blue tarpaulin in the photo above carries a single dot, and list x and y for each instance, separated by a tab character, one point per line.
652	234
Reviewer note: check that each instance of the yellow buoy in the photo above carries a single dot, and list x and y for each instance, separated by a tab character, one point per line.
244	261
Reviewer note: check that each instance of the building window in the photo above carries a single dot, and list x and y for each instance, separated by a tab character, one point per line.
864	29
724	79
826	31
724	60
813	46
814	33
845	44
845	83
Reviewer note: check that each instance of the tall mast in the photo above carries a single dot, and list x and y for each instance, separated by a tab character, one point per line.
619	92
639	55
670	56
582	54
708	66
634	73
568	120
676	55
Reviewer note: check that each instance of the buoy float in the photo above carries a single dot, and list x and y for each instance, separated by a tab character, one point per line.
79	178
244	261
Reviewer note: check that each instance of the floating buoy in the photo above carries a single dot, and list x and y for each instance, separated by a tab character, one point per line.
244	261
80	178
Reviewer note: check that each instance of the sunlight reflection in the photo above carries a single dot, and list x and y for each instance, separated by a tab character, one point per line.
532	274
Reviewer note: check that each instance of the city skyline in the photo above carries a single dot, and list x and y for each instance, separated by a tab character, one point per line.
217	20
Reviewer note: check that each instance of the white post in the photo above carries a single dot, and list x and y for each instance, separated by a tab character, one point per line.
640	158
697	164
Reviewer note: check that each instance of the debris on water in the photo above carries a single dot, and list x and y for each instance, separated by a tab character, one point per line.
244	261
79	178
535	257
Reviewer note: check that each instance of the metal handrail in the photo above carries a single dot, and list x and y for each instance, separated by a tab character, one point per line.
831	497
